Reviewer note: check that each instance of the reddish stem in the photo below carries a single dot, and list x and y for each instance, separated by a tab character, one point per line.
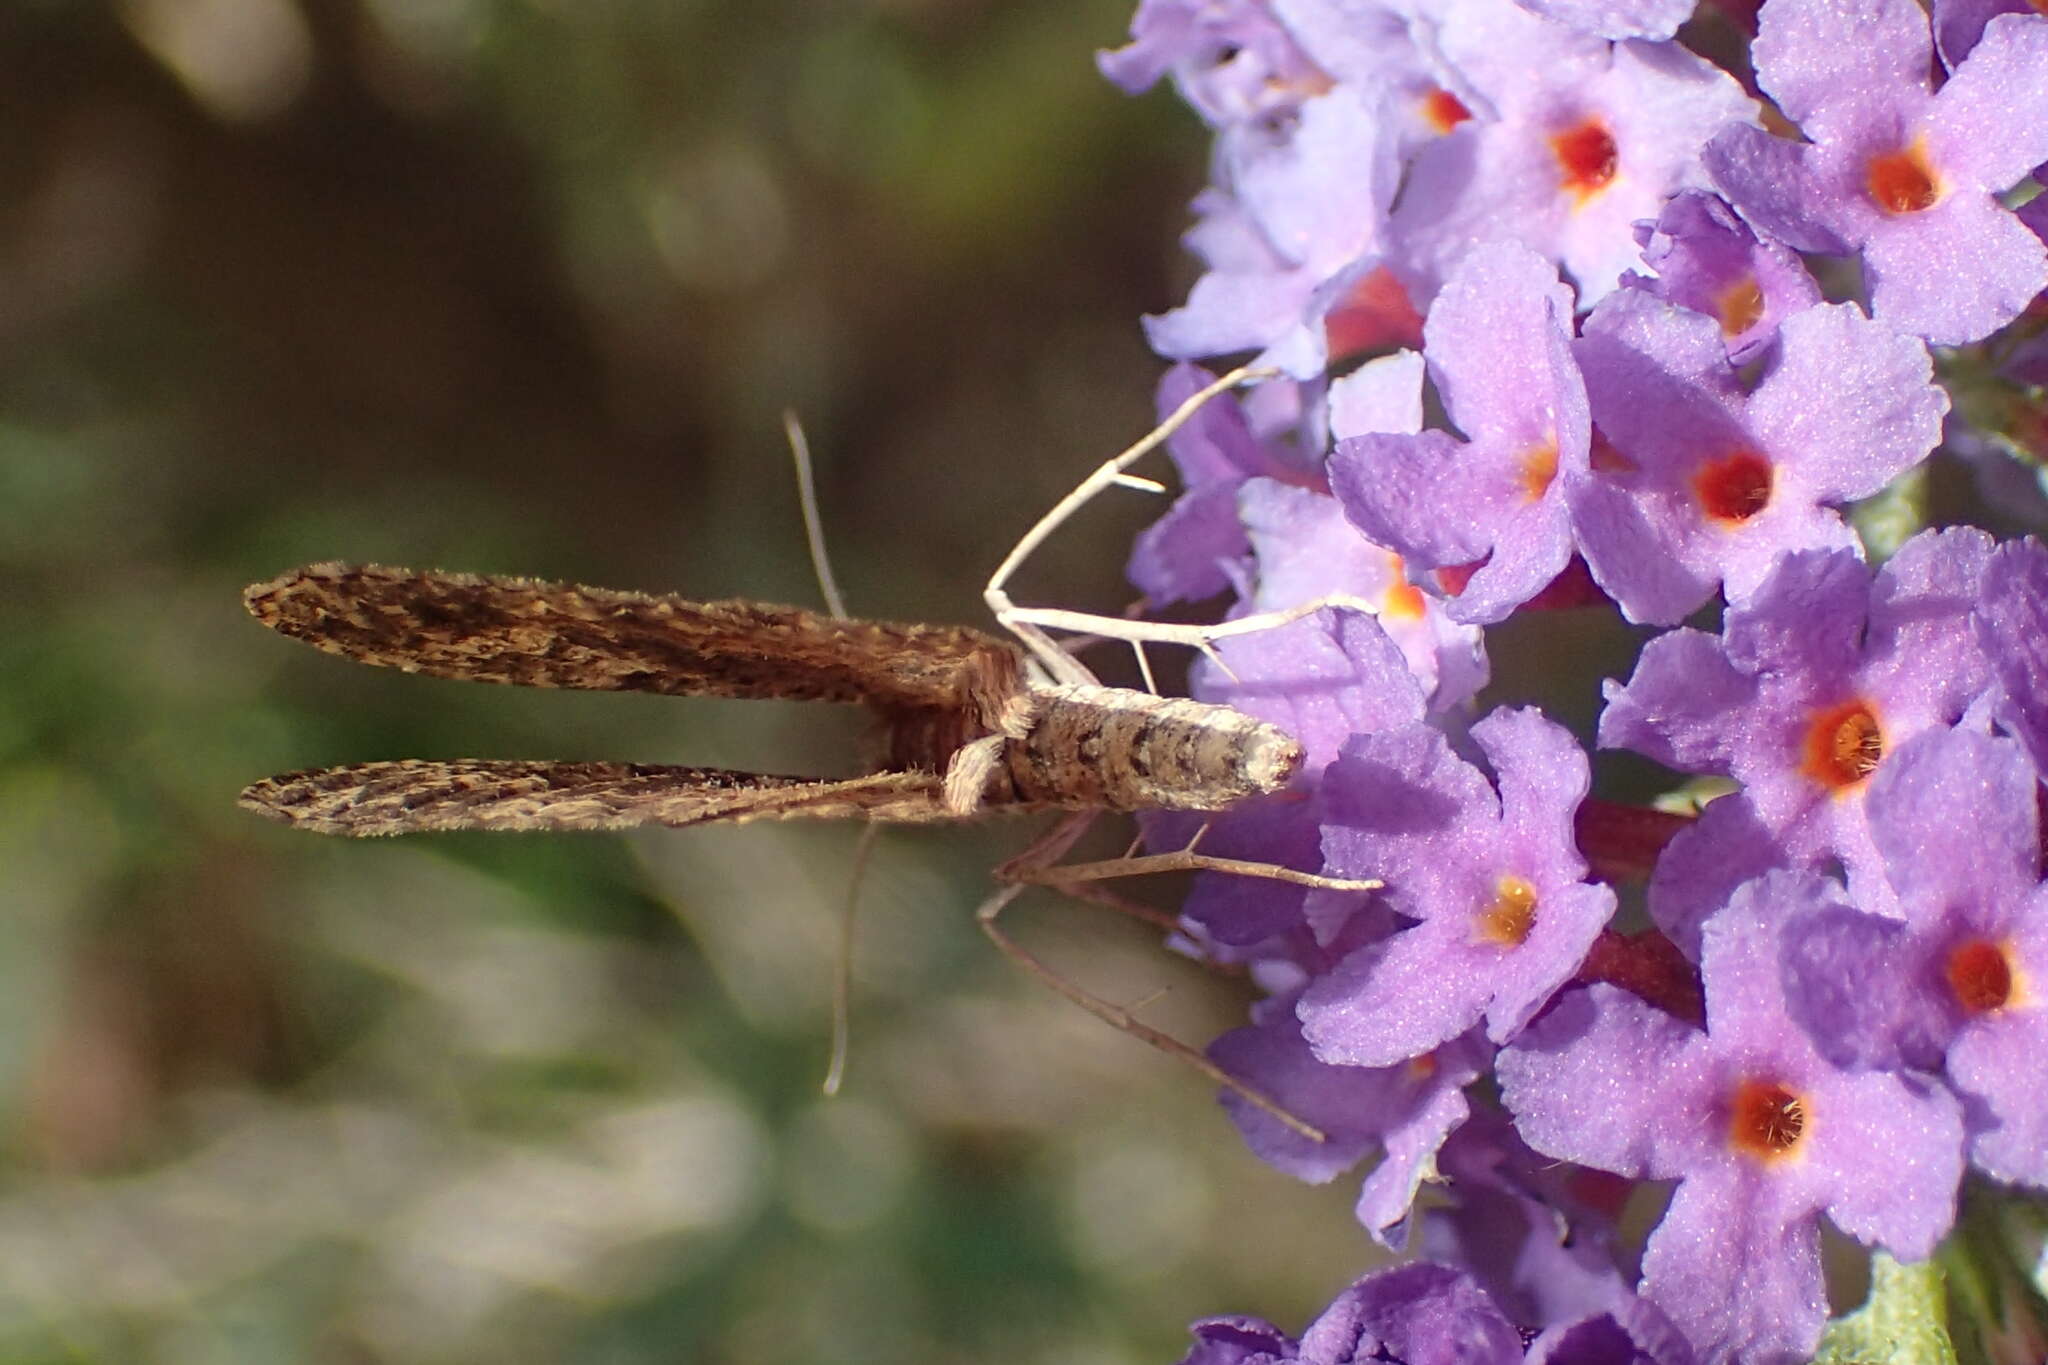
1650	967
1622	842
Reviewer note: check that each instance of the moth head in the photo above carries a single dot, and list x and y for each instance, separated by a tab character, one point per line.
1271	758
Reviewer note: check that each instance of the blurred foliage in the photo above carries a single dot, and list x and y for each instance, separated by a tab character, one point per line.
522	286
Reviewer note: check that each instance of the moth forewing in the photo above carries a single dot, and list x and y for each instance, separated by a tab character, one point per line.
414	796
955	703
532	633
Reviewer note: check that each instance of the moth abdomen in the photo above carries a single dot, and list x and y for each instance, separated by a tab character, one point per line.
1112	748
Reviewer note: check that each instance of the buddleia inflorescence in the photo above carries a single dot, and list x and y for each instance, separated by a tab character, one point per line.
1610	305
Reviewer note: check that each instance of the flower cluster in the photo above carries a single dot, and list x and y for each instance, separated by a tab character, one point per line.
1605	304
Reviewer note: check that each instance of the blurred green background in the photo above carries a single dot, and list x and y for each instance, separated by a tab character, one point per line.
522	286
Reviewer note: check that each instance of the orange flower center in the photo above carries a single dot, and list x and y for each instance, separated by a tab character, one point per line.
1443	111
1607	457
1980	974
1375	312
1511	916
1903	181
1844	745
1586	157
1767	1120
1739	306
1539	467
1733	488
1403	600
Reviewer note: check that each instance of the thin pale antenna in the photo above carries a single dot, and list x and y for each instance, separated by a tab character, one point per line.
842	968
814	525
828	586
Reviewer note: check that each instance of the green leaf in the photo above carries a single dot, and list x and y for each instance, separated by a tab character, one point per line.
1903	1322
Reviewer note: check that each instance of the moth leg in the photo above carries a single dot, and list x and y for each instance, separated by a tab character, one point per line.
1187	860
1032	867
1036	864
1063	666
1200	637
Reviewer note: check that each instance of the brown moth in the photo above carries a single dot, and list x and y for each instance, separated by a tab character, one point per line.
967	729
972	724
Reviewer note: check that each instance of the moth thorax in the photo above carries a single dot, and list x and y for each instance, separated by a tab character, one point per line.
1116	749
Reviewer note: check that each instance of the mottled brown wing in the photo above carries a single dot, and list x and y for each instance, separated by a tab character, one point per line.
413	796
535	634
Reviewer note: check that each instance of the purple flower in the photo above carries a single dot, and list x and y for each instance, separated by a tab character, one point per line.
1638	1333
1232	60
1538	1234
1391	49
1906	176
1403	1111
2027	363
1298	216
2012	626
1955	984
1760	1131
1657	19
1427	1314
1708	260
1494	882
1702	483
1322	679
1249	296
1812	682
1305	548
1239	1341
1196	549
1958	24
1421	1313
1499	350
1581	141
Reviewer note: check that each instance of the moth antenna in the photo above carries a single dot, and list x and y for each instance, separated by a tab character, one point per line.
814	524
842	966
828	588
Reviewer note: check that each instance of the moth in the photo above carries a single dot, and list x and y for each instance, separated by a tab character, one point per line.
970	723
966	727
